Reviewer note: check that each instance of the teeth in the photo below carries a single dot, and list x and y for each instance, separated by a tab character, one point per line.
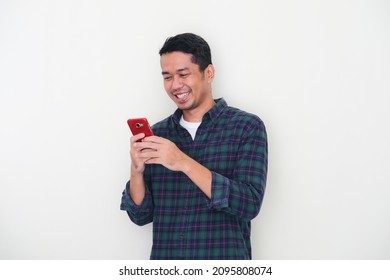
180	96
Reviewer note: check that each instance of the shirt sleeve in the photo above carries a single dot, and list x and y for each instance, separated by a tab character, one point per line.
140	214
242	194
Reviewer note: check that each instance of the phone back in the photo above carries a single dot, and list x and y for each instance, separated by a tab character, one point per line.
140	125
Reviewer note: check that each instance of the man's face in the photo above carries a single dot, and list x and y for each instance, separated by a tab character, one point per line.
183	81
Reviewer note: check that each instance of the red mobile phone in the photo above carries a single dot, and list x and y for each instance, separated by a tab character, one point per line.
140	125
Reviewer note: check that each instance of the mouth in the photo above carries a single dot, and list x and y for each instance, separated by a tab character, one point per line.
182	97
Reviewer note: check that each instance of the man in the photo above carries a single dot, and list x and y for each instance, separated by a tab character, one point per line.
201	179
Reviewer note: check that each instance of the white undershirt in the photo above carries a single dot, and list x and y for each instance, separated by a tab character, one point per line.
191	127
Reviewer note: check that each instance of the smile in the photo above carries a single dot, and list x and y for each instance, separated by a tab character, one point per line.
182	95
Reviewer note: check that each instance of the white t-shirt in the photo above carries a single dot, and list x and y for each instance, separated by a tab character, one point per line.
191	127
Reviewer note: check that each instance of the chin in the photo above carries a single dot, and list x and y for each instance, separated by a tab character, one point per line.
188	105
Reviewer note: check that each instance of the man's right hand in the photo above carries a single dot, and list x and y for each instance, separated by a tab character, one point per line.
137	161
137	184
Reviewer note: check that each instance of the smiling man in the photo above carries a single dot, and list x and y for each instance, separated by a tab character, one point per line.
201	178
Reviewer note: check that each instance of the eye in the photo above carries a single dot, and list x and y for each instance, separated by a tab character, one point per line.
167	78
184	75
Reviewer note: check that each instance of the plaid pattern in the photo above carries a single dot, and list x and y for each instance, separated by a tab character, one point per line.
186	224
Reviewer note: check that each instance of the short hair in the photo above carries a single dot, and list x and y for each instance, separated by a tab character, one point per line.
191	44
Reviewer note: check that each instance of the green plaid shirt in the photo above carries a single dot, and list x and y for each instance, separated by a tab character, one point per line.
186	223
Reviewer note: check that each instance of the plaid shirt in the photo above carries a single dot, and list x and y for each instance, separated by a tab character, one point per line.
232	144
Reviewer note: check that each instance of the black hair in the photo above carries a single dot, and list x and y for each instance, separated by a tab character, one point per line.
191	44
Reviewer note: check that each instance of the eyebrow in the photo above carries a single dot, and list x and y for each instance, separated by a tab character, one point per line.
178	70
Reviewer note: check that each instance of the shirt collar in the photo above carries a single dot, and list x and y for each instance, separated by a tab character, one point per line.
220	105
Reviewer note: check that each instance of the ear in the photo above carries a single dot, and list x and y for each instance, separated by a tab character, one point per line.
210	73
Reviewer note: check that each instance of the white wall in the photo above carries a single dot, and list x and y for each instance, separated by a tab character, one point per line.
72	72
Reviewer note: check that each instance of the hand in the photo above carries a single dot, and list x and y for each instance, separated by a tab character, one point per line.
137	184
158	150
138	158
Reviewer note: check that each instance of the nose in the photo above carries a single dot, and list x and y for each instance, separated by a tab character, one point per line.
176	84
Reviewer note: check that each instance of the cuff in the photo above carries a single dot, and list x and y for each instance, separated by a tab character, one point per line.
220	191
128	204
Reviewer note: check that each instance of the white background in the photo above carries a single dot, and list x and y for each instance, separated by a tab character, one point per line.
316	72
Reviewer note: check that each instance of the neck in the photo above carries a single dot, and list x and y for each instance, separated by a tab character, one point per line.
196	114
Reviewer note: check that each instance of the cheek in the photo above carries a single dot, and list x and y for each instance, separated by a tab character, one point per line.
167	86
190	84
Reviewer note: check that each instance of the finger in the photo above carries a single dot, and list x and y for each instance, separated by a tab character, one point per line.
153	160
144	145
148	153
155	139
137	137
